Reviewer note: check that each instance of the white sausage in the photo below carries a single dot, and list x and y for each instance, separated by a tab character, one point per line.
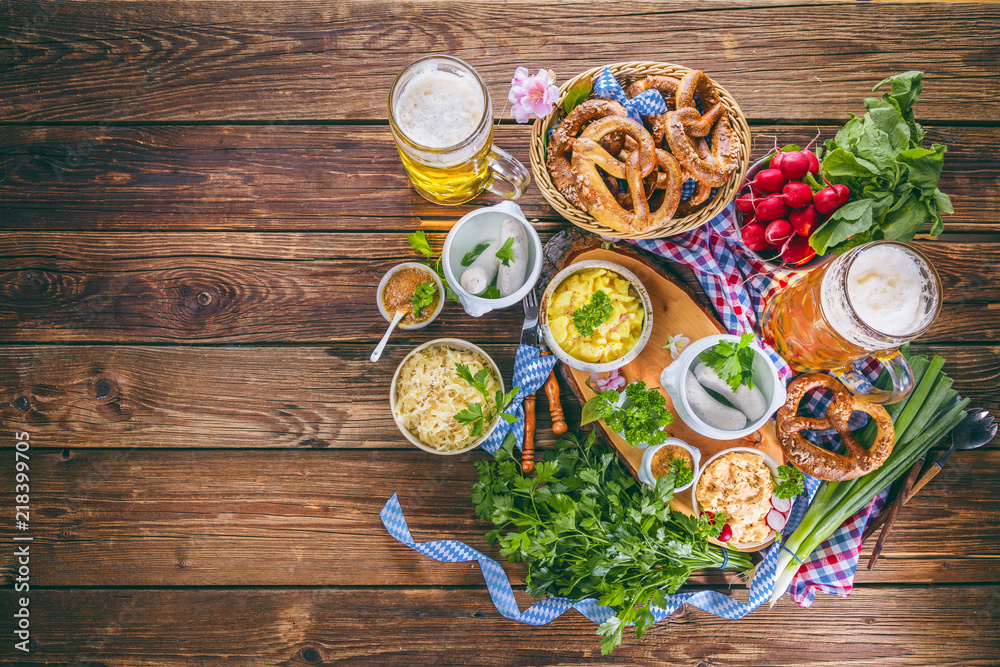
510	278
710	410
480	274
748	401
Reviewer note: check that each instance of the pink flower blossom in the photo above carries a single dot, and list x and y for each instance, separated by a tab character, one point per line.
604	381
532	94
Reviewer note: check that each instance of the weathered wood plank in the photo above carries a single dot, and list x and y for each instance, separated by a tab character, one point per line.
949	626
203	294
111	396
213	517
299	60
322	177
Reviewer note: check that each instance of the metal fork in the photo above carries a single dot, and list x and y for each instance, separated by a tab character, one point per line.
529	330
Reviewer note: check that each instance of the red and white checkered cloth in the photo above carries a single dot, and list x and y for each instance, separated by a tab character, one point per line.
738	285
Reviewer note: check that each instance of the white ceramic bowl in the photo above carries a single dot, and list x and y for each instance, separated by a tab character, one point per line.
385	279
573	362
454	343
765	378
645	466
483	225
768	461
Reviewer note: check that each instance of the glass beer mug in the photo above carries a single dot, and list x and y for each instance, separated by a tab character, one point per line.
442	122
867	302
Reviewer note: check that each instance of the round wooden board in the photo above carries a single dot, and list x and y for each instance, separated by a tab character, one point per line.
675	311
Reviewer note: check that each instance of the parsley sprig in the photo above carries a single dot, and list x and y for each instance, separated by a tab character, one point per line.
474	413
506	253
733	362
588	317
586	529
474	254
423	296
640	419
789	481
418	241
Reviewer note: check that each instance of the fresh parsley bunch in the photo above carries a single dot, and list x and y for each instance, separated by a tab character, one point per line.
640	419
733	362
591	315
586	529
474	413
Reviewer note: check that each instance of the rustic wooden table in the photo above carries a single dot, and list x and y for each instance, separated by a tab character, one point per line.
198	199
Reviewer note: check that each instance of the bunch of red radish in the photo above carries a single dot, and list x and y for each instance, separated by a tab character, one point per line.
780	211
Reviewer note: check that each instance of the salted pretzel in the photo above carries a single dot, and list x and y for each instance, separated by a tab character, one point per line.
820	462
588	155
716	168
561	143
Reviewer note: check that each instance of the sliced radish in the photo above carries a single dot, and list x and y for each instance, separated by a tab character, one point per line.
776	519
781	504
727	533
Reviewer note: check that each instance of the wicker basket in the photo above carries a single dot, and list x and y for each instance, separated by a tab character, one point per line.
626	73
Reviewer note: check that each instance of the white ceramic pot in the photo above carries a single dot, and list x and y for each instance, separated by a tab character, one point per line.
765	378
645	466
768	461
454	343
479	226
573	362
433	276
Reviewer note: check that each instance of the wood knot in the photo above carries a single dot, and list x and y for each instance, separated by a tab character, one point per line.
103	388
309	654
22	403
204	298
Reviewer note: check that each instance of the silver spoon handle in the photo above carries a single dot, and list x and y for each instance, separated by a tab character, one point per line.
385	339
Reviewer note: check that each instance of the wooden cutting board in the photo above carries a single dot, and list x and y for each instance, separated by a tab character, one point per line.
675	311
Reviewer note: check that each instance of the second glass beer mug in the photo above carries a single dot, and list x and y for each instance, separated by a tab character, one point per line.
867	302
442	122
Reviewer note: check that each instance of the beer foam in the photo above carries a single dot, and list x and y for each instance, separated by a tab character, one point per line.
439	109
888	290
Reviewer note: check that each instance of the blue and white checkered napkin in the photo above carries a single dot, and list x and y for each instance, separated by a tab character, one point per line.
530	373
648	103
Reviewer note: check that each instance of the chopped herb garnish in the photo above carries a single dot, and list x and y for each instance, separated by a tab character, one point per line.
423	296
789	482
592	315
733	362
474	413
506	253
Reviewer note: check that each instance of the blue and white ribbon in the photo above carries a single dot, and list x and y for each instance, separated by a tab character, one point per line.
530	373
648	103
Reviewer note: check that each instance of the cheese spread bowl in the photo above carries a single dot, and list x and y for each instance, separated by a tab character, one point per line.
623	339
648	476
765	378
733	479
455	344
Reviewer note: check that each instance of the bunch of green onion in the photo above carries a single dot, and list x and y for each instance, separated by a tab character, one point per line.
930	411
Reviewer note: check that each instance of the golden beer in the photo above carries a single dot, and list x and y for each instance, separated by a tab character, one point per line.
864	303
442	123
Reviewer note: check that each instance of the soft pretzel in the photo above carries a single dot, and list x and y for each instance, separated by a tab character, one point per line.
561	143
685	122
594	195
820	462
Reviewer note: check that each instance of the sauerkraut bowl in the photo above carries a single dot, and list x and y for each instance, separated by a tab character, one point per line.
426	393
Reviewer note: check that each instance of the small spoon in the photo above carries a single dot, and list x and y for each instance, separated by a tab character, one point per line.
385	339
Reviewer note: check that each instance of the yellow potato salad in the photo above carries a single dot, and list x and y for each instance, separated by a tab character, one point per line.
610	340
